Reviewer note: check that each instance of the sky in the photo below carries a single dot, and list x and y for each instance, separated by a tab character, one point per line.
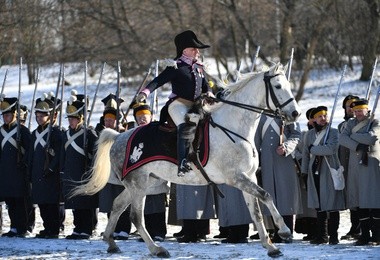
320	90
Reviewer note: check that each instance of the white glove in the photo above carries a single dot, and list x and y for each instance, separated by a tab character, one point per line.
141	97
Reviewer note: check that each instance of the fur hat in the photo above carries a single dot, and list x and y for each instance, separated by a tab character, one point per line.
187	39
320	110
8	105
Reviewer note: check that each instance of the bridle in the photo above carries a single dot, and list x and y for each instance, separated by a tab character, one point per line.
220	97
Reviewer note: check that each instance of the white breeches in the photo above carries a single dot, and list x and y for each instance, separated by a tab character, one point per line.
178	109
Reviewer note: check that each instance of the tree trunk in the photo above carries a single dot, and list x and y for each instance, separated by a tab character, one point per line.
369	54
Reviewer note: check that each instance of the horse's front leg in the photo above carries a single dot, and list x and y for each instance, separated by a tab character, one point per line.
244	183
254	209
121	202
137	218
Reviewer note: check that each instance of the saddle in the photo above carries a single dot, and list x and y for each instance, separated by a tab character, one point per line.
158	141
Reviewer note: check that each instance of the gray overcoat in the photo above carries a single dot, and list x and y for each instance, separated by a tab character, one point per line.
279	176
232	209
363	182
330	199
195	202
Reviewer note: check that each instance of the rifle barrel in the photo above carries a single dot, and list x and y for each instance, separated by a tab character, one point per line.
334	106
34	97
96	94
5	79
367	94
255	58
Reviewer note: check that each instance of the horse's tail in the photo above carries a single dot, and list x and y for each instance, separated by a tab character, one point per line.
101	170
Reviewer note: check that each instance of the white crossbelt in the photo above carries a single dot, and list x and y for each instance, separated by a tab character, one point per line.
271	122
70	141
8	138
40	138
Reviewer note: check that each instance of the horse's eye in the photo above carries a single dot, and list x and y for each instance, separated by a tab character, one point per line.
278	86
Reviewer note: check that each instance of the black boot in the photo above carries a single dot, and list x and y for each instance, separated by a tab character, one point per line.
182	151
333	225
376	227
365	225
321	237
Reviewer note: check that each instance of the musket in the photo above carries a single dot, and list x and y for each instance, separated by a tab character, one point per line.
85	117
5	79
118	97
18	136
96	94
51	122
367	94
62	90
332	116
34	97
364	158
255	58
154	97
290	65
142	85
334	106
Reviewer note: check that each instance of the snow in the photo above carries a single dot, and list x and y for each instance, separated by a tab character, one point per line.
320	90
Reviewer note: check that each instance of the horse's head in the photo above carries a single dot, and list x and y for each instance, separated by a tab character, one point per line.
279	95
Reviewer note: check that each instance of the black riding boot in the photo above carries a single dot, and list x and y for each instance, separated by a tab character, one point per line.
182	151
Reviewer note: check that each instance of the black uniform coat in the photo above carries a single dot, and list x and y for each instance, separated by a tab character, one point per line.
13	174
188	81
73	168
45	184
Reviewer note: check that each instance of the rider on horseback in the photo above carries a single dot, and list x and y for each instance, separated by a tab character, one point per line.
188	83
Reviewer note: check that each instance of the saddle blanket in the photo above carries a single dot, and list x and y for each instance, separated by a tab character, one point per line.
149	143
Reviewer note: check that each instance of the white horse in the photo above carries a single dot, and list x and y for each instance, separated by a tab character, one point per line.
232	163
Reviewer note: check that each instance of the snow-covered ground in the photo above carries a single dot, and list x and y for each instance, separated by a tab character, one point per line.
320	90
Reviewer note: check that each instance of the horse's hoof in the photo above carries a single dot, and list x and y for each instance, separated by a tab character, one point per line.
113	250
163	254
275	253
285	235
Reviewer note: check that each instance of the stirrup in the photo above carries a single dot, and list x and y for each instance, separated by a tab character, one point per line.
183	168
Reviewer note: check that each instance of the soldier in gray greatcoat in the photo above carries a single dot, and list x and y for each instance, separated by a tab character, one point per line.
14	185
363	180
108	194
195	206
305	222
44	167
344	155
278	172
76	161
321	192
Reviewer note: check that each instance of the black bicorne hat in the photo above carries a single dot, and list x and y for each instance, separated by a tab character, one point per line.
187	39
110	104
8	105
23	112
44	104
76	105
